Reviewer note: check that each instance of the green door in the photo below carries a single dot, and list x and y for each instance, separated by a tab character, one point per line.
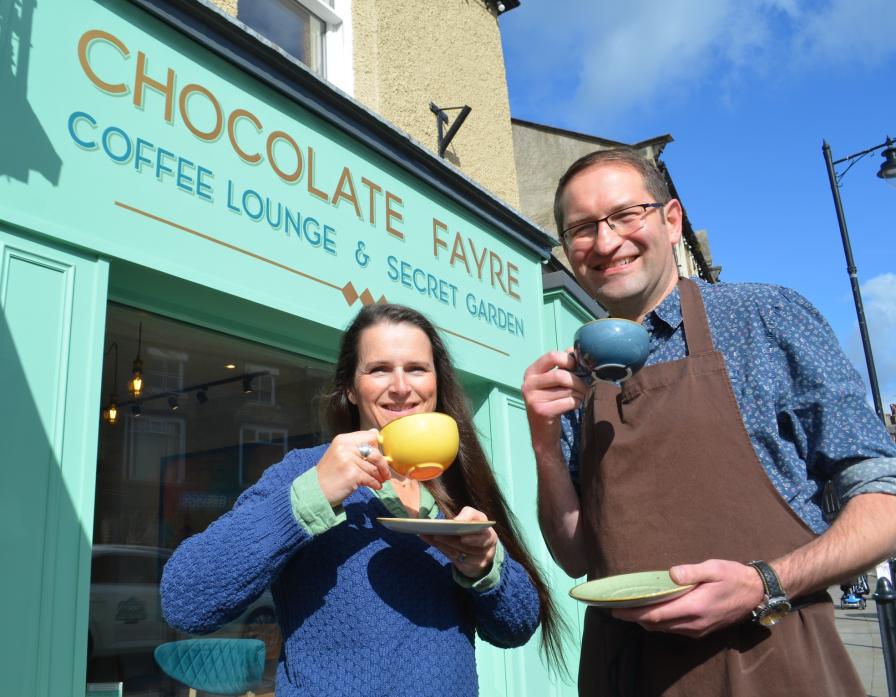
51	328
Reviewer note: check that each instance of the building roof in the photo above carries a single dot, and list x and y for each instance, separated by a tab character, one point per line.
657	142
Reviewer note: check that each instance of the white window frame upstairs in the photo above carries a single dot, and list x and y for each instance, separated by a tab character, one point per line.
337	53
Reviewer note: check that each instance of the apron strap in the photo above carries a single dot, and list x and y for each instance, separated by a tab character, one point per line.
693	315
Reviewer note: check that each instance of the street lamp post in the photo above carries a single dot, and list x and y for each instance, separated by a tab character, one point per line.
887	171
884	595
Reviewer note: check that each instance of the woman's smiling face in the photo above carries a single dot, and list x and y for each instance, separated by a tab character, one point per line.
395	375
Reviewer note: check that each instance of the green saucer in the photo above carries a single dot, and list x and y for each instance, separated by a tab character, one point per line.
629	590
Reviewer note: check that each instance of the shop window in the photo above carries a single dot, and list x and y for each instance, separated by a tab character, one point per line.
259	444
316	32
264	384
164	370
169	467
151	440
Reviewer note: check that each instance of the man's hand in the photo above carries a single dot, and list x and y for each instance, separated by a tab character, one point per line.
726	592
550	389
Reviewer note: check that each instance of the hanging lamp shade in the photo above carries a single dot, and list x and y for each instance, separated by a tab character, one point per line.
135	384
112	410
888	168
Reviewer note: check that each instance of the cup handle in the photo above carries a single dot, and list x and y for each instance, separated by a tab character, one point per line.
380	439
427	470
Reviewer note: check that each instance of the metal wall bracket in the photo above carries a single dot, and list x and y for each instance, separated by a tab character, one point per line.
445	138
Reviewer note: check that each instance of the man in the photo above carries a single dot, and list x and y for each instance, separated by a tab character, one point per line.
714	455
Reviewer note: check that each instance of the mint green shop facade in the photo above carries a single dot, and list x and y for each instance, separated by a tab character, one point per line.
156	157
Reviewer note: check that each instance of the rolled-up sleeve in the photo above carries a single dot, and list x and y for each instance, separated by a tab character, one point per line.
833	425
876	475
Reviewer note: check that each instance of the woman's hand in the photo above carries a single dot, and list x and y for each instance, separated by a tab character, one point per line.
473	554
342	469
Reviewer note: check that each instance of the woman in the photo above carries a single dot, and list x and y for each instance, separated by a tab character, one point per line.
364	610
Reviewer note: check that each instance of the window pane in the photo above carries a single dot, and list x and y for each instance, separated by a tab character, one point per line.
165	474
290	26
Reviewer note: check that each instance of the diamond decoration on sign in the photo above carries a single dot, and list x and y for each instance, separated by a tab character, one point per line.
349	292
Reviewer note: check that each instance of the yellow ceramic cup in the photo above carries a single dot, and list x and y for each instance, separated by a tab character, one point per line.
420	446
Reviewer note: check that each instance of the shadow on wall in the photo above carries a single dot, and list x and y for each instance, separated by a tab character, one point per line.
24	144
41	533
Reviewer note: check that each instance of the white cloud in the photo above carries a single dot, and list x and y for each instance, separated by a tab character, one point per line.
848	31
879	302
612	57
643	54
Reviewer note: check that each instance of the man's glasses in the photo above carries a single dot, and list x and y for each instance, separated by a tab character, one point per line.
623	222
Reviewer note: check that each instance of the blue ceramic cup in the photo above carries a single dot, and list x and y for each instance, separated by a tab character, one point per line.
611	349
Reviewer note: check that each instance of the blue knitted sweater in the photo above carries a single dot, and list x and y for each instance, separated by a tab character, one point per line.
363	611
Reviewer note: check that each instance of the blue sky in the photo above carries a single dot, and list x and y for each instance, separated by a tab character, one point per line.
748	89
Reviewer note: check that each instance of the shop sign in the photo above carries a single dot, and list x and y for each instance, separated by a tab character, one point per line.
139	144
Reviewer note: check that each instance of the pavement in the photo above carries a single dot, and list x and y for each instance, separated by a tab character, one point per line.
861	634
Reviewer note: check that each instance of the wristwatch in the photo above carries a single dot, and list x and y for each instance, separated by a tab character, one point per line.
775	604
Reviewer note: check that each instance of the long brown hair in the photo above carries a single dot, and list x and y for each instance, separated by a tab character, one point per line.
470	480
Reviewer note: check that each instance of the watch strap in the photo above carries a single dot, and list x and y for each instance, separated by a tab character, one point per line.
775	604
770	581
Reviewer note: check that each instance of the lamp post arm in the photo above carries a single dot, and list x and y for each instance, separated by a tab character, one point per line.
857	154
854	281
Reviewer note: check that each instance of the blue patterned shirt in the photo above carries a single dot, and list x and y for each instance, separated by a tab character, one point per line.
802	402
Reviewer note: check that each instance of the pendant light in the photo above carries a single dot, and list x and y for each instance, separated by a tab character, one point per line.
110	413
136	383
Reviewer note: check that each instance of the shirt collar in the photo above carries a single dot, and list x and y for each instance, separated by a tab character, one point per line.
668	311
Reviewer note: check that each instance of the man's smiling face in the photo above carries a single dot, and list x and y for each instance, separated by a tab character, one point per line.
628	275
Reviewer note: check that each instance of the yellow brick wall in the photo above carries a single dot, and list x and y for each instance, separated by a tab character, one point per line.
408	54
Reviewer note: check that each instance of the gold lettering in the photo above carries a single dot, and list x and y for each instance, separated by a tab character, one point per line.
480	261
231	133
436	240
496	275
374	189
391	213
86	39
462	254
142	80
512	280
311	188
346	179
219	114
280	135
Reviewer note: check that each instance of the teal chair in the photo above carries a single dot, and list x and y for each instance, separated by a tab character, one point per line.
220	666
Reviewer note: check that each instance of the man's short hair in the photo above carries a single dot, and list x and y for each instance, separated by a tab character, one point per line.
654	182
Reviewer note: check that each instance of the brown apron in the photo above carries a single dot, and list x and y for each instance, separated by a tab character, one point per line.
669	476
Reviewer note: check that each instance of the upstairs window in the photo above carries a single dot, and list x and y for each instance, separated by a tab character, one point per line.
313	31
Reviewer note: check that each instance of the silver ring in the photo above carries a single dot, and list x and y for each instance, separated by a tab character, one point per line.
461	557
364	451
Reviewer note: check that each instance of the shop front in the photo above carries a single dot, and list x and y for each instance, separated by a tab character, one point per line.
181	201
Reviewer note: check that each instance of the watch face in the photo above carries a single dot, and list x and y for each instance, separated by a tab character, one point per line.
773	613
772	617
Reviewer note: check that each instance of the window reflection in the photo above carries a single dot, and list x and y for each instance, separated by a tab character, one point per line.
290	26
165	473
